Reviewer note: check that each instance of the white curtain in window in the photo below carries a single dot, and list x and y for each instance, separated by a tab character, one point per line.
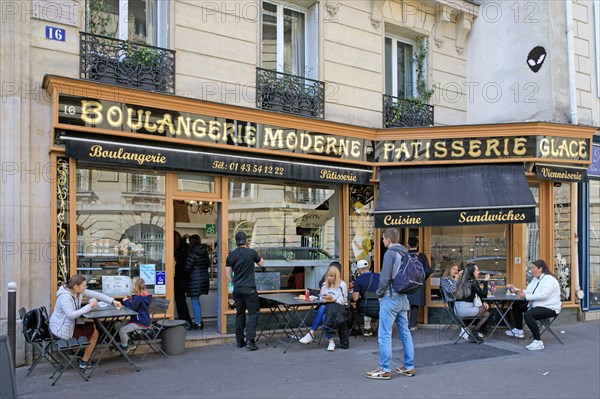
297	43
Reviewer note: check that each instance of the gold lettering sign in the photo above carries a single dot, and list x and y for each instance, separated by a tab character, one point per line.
389	220
490	217
561	175
97	151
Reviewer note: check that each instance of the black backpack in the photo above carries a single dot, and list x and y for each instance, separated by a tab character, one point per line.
35	324
409	273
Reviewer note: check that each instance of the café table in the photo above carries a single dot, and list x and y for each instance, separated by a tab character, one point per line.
105	318
503	304
288	306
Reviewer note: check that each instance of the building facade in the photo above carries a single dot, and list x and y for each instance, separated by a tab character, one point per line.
138	118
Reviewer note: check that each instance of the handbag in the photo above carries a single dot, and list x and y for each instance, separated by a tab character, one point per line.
477	301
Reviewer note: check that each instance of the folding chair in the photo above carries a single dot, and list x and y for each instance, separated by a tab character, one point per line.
39	341
69	351
149	335
545	325
460	322
60	353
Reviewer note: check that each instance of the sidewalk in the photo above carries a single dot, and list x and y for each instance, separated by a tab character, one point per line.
500	368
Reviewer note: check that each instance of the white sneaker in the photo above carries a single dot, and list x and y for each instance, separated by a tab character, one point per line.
536	345
307	339
331	346
463	334
515	333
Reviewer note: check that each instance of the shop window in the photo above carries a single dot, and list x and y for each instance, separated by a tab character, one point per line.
140	21
362	224
594	295
289	39
399	69
484	245
120	234
562	237
290	234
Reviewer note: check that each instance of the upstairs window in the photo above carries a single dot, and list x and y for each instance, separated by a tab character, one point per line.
289	39
141	21
399	68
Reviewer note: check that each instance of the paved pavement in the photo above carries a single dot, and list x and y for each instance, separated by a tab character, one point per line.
571	370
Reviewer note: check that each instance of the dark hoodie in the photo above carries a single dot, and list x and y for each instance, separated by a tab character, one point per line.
141	304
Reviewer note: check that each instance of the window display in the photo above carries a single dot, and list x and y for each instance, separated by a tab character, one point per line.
294	228
120	225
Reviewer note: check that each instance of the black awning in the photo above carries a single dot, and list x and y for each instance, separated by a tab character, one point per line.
454	195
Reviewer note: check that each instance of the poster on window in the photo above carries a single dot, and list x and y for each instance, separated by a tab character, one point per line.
116	285
160	286
147	271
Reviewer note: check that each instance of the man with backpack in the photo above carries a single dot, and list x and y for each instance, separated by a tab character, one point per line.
393	307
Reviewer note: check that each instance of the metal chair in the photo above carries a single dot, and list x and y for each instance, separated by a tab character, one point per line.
367	308
150	335
463	324
545	325
40	341
60	353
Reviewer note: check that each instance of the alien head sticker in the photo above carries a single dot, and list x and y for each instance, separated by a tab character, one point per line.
536	58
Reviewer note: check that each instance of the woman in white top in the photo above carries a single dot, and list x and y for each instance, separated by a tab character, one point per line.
543	294
66	320
333	290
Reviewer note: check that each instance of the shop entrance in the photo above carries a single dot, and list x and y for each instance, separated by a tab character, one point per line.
198	217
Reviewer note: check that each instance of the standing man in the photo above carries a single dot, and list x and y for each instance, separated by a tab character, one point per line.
393	307
417	300
241	262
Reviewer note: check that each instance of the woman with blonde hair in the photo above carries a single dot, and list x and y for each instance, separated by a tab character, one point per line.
333	290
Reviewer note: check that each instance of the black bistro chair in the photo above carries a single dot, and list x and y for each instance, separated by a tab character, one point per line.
463	324
59	353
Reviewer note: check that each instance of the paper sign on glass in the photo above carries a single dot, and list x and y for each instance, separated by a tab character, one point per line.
147	273
116	285
160	286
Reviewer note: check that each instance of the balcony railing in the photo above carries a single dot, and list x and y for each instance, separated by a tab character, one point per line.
406	112
291	94
124	63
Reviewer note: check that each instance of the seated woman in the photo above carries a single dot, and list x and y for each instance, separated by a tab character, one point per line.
66	320
466	291
449	281
333	290
544	295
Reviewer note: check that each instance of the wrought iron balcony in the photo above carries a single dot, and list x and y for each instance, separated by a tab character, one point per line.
406	112
124	63
291	94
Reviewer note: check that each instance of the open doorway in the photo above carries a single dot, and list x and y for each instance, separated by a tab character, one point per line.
196	218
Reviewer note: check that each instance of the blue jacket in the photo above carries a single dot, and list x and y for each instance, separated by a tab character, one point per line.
140	304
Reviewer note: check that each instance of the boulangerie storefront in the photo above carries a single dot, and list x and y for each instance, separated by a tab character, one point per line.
137	170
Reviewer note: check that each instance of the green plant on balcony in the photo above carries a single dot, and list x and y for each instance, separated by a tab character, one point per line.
99	18
418	103
146	57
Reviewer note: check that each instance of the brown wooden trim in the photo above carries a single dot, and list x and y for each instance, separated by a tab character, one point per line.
53	233
546	209
170	241
344	224
72	216
224	248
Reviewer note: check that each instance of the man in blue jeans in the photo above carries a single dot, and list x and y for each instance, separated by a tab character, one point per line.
393	307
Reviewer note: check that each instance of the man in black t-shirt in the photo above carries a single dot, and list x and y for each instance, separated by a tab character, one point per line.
241	263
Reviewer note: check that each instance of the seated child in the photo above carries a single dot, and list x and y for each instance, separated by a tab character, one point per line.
140	302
